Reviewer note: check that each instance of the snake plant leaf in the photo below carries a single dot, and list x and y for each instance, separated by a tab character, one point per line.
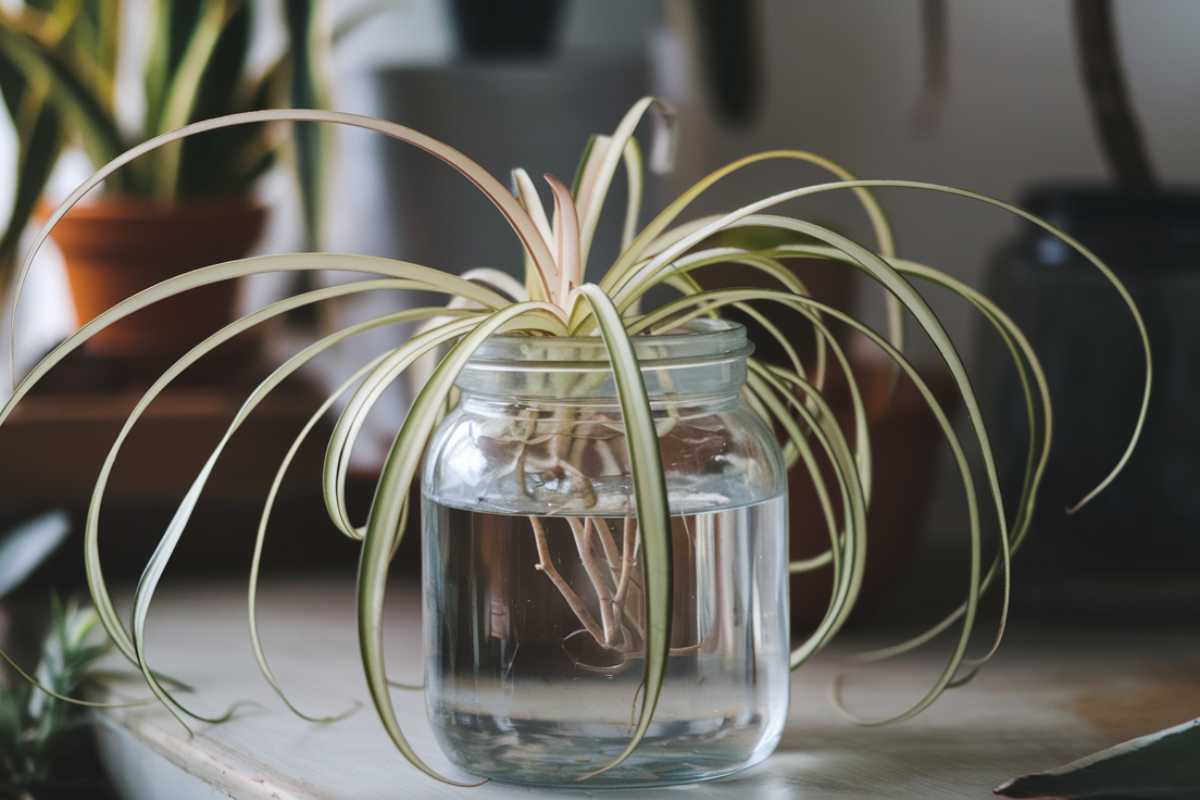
209	44
216	21
272	81
86	40
26	547
1157	766
40	141
38	151
180	57
98	27
14	86
272	88
309	43
171	26
73	98
650	494
209	165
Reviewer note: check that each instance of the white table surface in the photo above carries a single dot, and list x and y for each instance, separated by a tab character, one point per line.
1049	697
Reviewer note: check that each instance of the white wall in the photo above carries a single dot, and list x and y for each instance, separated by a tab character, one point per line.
843	79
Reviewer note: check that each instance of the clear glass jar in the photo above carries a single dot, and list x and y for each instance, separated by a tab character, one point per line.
533	603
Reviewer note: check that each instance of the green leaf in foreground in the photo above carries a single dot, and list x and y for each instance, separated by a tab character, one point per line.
1158	766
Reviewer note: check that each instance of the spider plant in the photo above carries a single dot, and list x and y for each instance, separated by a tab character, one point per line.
58	74
558	300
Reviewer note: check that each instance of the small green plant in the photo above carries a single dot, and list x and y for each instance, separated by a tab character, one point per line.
557	300
36	728
58	74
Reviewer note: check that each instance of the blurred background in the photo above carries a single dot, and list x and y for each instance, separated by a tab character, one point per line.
1088	117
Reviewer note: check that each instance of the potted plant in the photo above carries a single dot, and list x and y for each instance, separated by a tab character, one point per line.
184	206
603	485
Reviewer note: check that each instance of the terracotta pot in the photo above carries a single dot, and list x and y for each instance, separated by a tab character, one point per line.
117	246
905	444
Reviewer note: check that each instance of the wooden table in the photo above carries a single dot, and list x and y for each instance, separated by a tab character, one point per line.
1049	697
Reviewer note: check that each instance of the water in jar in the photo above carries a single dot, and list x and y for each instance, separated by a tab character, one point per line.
534	640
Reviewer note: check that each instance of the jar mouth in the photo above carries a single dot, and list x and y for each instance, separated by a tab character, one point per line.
697	343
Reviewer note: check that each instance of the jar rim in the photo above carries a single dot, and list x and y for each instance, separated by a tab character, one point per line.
702	341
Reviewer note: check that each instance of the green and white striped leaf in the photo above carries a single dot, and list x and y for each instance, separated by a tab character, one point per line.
653	513
384	530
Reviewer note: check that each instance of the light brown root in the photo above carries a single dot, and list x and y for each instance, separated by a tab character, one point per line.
583	543
546	566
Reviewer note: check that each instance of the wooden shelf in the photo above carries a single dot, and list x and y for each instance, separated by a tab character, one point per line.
65	428
57	440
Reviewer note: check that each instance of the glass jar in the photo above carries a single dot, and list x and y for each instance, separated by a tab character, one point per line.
533	577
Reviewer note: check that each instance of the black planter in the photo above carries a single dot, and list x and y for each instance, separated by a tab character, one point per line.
1150	517
517	29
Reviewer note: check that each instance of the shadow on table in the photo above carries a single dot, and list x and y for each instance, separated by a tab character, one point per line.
841	762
